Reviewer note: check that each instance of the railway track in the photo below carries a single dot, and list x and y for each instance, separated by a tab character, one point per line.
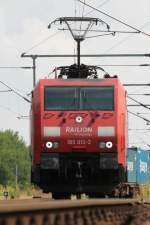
77	212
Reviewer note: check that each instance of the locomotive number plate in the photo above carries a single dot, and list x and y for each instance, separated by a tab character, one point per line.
78	142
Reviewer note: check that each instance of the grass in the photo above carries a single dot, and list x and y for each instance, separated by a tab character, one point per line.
16	192
145	191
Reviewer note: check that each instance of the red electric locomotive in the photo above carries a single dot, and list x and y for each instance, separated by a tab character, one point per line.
79	135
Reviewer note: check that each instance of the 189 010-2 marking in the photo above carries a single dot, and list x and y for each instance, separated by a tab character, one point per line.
79	142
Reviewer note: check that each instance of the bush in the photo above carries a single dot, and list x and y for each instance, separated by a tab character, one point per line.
15	160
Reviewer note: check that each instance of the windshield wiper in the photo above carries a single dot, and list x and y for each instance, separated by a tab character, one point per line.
85	101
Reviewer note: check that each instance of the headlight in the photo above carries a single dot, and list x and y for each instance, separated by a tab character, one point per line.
49	144
109	144
79	119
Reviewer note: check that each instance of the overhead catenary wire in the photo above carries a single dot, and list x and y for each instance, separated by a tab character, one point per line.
141	104
82	17
16	92
125	38
143	113
137	105
98	6
10	110
128	65
144	133
131	129
1	91
108	31
140	94
138	30
142	85
100	35
75	8
113	18
135	143
23	117
143	118
86	55
43	41
103	31
144	142
16	67
18	115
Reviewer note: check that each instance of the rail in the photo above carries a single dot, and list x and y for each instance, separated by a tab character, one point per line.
78	212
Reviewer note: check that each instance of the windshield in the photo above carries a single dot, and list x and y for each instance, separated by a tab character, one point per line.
97	98
79	98
60	98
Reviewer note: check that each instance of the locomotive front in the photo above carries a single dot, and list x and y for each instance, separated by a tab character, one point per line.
78	136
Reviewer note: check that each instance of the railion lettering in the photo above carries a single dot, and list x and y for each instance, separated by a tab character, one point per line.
78	129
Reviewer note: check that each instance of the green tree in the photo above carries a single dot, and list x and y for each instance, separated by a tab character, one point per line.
14	159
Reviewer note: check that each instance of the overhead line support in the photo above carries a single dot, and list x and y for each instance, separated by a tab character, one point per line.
35	56
84	55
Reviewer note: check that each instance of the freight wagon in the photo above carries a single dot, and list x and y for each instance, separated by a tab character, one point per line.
138	168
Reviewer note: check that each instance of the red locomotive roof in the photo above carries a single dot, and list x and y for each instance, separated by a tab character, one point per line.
78	82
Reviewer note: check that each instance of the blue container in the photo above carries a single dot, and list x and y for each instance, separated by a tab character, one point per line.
131	165
149	167
142	166
138	166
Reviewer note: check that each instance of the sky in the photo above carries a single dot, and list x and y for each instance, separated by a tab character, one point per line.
23	28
